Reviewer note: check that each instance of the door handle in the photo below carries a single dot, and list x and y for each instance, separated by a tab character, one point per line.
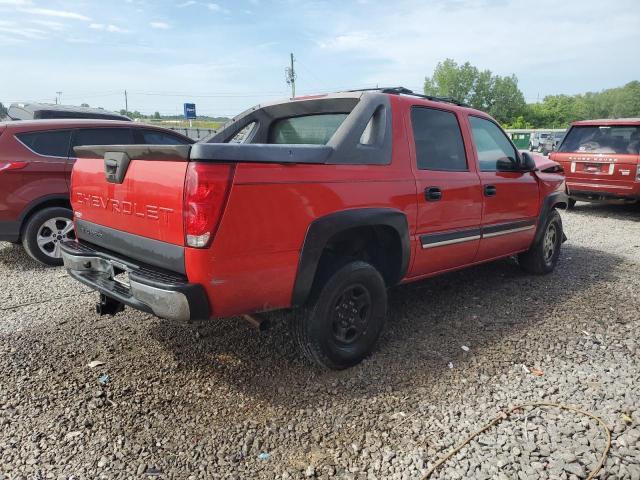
490	190
432	194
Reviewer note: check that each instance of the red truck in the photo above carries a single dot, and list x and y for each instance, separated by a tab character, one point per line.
601	160
319	203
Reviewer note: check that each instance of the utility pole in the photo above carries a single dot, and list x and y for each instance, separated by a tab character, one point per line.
290	75
58	94
126	103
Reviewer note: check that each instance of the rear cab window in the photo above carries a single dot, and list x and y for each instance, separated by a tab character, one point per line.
306	130
621	139
51	143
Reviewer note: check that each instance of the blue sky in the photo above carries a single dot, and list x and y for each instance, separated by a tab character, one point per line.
228	55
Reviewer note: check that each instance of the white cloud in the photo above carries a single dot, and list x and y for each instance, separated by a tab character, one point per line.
56	13
50	24
16	3
27	33
188	3
214	7
108	28
115	29
160	25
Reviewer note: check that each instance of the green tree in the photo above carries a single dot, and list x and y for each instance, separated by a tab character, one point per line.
84	105
561	110
156	116
499	96
452	80
507	101
3	110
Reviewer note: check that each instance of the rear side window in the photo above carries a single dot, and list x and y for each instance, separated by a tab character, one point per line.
102	136
52	143
438	140
156	137
603	139
495	152
308	129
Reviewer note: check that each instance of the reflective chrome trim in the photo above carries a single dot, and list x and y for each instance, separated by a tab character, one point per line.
451	242
165	304
505	232
169	304
598	185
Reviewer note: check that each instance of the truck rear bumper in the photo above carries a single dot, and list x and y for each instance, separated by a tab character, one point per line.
165	294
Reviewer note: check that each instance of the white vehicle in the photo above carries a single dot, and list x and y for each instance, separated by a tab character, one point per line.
537	139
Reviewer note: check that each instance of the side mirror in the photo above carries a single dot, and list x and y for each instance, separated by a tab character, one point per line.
528	163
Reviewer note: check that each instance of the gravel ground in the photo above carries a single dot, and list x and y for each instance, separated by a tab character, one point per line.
220	400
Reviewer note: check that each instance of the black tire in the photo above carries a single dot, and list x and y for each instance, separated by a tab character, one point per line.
571	203
43	233
329	330
542	257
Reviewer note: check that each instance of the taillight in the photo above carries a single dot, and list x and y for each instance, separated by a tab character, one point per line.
206	189
12	165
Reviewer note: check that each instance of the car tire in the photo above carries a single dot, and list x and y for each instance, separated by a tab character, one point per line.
571	203
341	323
43	233
543	256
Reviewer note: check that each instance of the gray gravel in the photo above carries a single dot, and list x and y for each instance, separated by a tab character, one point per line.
220	400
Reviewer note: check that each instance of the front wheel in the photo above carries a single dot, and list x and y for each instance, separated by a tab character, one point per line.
543	255
43	233
345	317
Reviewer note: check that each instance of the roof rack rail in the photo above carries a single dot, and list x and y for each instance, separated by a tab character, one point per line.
406	91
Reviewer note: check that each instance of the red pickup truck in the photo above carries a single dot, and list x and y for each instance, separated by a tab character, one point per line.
320	203
601	159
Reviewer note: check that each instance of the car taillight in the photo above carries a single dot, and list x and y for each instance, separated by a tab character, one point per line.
12	165
206	189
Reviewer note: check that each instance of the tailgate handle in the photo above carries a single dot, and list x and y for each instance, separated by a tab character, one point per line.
115	166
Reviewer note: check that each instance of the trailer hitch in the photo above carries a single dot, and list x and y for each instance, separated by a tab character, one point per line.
108	306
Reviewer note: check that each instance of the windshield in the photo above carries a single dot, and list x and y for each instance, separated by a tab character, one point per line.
603	139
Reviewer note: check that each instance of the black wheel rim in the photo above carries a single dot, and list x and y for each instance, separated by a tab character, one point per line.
351	314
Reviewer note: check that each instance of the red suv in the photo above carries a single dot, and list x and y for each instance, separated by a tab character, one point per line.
36	158
319	203
601	160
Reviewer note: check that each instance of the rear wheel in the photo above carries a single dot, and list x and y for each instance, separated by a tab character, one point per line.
542	257
43	233
344	318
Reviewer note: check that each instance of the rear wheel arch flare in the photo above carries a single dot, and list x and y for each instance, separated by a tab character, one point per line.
382	234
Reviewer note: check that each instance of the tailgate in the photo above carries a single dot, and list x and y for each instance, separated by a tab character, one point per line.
599	169
143	195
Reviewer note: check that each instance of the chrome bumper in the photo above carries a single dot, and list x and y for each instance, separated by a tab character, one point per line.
165	294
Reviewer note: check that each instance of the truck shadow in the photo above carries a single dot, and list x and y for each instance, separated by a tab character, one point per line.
428	323
628	212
